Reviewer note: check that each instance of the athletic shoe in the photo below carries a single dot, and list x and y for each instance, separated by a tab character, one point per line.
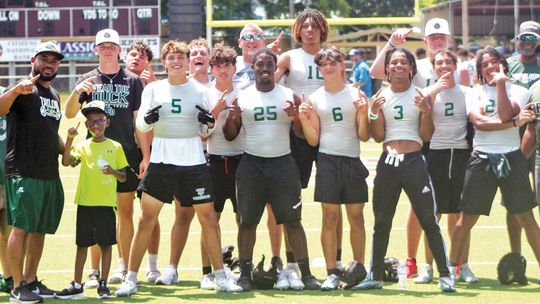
226	284
93	280
117	277
412	269
466	274
152	275
245	283
426	276
340	267
311	283
368	284
23	294
169	276
103	291
331	283
447	284
293	276
126	289
282	283
71	292
6	284
235	277
39	288
207	281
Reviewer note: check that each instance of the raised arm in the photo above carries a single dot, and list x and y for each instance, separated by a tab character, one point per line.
23	87
72	106
283	64
397	38
310	122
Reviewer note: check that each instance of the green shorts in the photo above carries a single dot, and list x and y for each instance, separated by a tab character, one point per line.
35	205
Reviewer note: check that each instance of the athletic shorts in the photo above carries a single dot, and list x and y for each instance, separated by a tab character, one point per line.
261	180
446	168
134	159
190	185
95	225
223	171
481	186
537	183
304	155
340	180
35	205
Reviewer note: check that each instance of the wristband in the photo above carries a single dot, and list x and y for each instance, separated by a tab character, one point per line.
514	122
372	116
391	44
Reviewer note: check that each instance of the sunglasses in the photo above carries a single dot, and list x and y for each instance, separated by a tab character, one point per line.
525	38
254	37
93	122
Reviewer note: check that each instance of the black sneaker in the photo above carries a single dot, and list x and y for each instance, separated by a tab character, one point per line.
246	283
39	288
311	283
103	291
23	294
71	292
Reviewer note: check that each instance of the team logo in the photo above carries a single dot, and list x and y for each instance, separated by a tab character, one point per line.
50	108
107	35
437	26
201	194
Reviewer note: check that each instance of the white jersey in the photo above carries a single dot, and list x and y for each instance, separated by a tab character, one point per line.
217	143
425	75
337	116
304	76
485	98
244	76
401	115
265	123
176	133
450	119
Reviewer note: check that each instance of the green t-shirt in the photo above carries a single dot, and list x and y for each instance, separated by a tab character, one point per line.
94	187
524	75
3	136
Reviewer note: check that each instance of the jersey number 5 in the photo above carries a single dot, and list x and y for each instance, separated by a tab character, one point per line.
176	107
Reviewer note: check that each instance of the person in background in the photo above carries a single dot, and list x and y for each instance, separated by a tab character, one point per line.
361	77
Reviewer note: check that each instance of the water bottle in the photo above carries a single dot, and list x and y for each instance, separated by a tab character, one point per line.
105	179
402	276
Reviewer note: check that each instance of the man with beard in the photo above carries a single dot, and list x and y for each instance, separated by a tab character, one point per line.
34	191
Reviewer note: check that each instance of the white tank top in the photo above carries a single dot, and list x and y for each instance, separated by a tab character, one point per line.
217	144
450	120
304	76
265	123
337	116
401	115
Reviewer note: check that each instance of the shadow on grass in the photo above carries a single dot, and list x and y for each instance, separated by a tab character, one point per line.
495	285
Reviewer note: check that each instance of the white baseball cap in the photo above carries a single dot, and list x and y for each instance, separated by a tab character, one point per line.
107	35
437	26
529	28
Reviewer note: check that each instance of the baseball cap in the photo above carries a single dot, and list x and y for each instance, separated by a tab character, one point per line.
529	27
49	47
107	35
94	106
437	26
354	52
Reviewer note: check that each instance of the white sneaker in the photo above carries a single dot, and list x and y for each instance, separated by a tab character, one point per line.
331	283
426	276
169	276
466	274
226	284
234	276
207	281
152	275
447	284
282	282
126	289
93	280
294	277
117	277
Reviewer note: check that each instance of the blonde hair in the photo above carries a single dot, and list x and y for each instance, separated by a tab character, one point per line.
176	47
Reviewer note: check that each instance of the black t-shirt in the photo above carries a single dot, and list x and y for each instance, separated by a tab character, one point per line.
32	135
121	94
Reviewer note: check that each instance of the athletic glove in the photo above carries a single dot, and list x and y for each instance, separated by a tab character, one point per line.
204	116
152	115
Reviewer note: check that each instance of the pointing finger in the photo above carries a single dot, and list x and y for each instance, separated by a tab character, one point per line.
419	92
91	79
377	94
235	102
35	78
223	94
278	39
78	124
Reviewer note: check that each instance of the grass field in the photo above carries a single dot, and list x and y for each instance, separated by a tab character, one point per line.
489	243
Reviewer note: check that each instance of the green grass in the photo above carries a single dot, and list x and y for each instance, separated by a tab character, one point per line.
489	244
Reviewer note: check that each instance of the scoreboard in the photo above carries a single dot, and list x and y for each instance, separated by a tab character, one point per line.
52	19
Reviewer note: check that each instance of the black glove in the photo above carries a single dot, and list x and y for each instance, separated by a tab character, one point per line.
204	116
152	115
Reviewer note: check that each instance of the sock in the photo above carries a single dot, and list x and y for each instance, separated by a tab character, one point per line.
332	271
338	255
303	264
152	262
290	257
121	265
94	271
206	270
77	285
276	262
220	274
245	268
132	276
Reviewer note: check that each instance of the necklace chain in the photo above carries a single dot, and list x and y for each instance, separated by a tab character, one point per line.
110	78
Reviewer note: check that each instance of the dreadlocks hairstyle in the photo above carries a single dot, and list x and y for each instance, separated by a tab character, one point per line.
264	50
317	19
493	53
222	54
410	58
330	53
142	47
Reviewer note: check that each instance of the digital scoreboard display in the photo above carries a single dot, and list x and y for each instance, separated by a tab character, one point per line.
78	18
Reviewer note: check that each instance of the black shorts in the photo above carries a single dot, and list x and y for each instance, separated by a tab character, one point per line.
134	159
190	185
304	155
481	186
447	170
223	171
261	180
340	180
95	225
